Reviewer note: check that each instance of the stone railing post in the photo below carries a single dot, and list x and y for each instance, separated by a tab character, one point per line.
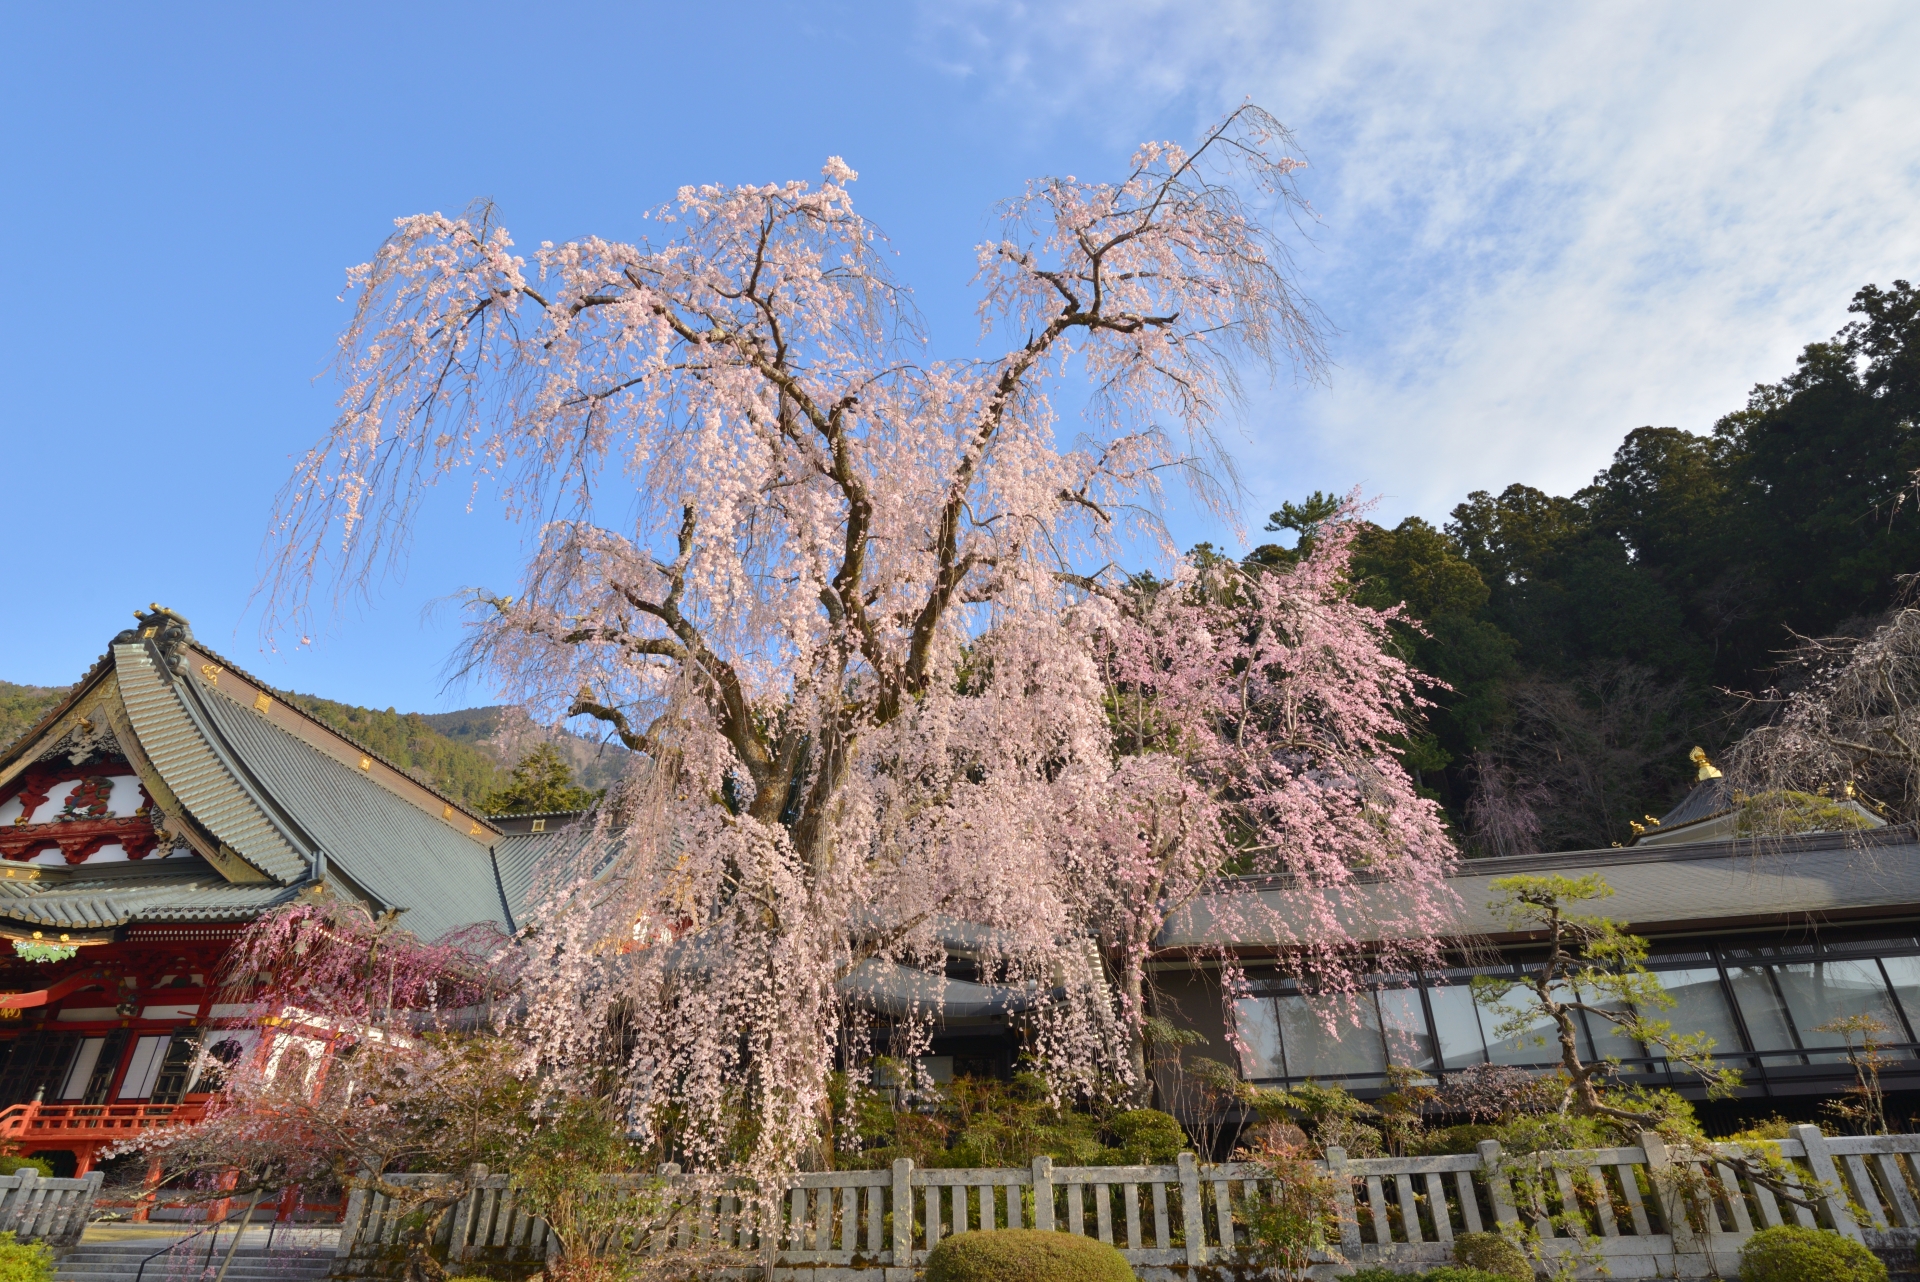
1343	1196
1042	1193
12	1206
350	1222
1667	1187
1192	1219
1835	1198
463	1214
900	1268
1499	1190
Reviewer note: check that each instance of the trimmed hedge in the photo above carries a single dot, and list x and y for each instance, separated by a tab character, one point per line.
1789	1253
1493	1254
1146	1136
1025	1255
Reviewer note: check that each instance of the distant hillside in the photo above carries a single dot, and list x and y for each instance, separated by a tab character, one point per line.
507	734
409	740
21	706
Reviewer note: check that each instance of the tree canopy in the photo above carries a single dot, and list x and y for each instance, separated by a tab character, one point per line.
1590	639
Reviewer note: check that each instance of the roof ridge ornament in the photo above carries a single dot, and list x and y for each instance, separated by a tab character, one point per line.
1707	769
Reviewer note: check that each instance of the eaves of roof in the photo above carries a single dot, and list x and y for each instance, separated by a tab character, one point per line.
1704	885
182	889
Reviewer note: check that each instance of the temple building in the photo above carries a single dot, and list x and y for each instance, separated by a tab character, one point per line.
1761	941
165	803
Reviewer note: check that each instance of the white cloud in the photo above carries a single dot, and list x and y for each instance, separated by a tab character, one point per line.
1544	226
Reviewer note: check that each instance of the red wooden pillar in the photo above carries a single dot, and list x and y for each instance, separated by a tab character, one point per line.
289	1198
218	1210
148	1191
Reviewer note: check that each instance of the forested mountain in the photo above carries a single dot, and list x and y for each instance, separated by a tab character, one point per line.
21	706
467	754
1592	638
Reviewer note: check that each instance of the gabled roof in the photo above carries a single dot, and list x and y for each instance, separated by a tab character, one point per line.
272	802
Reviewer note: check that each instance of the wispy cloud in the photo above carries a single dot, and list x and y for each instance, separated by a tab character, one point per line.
1543	226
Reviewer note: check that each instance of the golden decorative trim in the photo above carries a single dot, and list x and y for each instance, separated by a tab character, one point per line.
211	671
262	703
366	763
446	811
539	825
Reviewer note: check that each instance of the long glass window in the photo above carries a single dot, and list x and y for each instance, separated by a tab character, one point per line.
1260	1055
1404	1020
1700	1006
1331	1038
1762	1009
1607	1040
1538	1042
1905	974
1819	992
1456	1021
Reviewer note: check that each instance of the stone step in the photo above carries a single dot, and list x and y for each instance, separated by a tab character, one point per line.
121	1262
238	1273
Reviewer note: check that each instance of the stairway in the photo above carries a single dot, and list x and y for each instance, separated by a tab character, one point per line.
109	1261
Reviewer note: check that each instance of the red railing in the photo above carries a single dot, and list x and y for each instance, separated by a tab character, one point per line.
67	1125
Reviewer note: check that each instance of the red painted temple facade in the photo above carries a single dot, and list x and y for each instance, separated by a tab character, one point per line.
165	803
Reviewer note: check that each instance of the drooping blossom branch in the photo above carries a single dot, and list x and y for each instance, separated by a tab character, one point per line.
1256	714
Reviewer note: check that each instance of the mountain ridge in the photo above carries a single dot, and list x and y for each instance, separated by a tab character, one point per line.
467	753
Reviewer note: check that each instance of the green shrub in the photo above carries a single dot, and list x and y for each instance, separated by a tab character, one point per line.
1491	1253
14	1165
1789	1253
24	1261
1146	1136
1025	1255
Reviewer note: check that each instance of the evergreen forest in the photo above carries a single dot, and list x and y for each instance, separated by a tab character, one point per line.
1592	639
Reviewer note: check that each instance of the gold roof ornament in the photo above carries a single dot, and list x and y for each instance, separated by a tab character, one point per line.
1707	769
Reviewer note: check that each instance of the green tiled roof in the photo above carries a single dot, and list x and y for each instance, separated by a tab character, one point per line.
211	785
383	843
183	888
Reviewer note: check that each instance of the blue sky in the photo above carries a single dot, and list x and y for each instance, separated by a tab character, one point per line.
1540	227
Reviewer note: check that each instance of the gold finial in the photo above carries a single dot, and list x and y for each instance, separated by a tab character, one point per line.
1707	769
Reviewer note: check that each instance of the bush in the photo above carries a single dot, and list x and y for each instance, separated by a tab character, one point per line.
24	1261
14	1165
1025	1255
1790	1253
1491	1253
1146	1136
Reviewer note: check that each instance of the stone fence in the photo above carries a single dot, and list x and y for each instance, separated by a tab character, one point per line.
1637	1211
36	1209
